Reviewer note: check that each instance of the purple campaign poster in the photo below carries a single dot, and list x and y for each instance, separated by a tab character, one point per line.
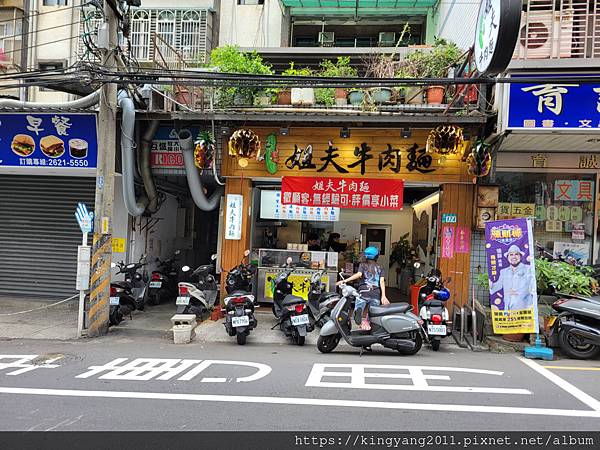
511	271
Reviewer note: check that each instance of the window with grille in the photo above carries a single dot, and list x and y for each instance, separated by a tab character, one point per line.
140	35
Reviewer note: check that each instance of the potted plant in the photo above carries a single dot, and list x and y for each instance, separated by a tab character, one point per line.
339	69
297	96
230	59
431	64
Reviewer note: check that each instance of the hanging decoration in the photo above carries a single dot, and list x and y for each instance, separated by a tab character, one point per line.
445	140
204	151
271	153
479	161
244	144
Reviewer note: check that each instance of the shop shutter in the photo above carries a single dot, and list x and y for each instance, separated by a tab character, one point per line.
39	234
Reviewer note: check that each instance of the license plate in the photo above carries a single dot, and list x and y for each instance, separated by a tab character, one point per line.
300	320
114	301
436	330
242	321
155	284
182	301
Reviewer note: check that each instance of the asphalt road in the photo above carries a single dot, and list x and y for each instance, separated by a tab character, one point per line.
54	385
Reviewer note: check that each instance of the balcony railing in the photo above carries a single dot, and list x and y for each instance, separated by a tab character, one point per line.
557	29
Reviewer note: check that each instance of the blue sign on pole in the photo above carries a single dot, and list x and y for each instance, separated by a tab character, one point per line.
554	105
85	218
48	141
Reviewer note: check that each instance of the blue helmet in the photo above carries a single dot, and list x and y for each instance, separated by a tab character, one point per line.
443	294
371	252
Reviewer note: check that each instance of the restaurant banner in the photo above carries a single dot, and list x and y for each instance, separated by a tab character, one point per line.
360	193
511	272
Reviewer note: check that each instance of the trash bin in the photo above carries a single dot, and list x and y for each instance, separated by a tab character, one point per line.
182	334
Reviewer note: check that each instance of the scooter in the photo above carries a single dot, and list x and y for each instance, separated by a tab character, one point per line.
432	308
393	326
122	298
290	310
576	326
135	280
239	303
198	297
163	281
320	303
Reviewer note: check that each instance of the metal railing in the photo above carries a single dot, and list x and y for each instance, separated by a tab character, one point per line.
557	29
470	332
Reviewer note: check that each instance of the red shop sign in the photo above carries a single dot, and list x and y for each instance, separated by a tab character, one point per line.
364	193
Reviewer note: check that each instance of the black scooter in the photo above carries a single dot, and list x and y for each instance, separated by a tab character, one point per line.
290	310
163	281
575	327
239	303
320	303
122	301
433	296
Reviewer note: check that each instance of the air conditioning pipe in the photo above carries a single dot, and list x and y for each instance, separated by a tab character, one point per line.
145	170
83	102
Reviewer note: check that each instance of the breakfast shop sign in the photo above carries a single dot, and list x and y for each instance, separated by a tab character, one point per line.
48	141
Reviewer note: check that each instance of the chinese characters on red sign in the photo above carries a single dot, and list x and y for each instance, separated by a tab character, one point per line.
360	193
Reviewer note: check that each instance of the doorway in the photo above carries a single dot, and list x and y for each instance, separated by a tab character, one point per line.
379	236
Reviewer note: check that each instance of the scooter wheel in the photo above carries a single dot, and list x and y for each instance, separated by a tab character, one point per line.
418	344
435	345
572	346
241	338
326	344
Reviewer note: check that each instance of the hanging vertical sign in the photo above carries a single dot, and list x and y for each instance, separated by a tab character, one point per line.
511	271
233	217
463	240
447	241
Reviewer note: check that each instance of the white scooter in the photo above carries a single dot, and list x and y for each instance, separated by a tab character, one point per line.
198	297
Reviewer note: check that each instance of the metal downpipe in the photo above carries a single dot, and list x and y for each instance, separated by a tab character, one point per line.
83	102
193	177
146	170
127	155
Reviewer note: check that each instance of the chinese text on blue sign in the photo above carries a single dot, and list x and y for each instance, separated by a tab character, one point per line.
554	105
48	140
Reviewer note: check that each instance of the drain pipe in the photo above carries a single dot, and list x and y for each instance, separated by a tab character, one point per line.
194	180
127	155
84	102
145	170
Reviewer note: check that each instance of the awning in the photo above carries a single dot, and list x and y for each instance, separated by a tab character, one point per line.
551	142
358	7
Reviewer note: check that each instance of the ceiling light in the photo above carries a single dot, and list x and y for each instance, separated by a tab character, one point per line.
406	133
345	132
284	131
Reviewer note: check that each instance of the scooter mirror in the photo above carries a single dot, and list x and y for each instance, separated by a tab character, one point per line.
213	257
185	269
417	265
246	252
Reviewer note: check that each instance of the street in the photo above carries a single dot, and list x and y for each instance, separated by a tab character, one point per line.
116	383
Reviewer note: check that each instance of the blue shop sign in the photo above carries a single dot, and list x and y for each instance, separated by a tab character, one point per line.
554	105
48	141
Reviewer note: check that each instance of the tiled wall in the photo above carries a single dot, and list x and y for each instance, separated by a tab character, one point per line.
478	266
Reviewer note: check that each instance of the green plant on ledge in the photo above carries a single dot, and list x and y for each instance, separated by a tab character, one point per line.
339	69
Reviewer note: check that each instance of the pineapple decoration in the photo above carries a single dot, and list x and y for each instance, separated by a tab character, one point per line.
479	161
244	144
204	151
445	140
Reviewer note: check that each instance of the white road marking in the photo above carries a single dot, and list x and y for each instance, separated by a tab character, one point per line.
145	369
24	363
563	384
287	401
358	377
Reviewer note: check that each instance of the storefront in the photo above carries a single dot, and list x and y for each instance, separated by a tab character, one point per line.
345	185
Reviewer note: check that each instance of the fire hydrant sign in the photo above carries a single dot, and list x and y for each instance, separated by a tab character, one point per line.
233	218
359	193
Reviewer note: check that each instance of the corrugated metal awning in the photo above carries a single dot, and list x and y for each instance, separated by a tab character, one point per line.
358	7
551	142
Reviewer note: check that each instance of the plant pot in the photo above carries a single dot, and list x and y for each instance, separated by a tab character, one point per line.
381	95
303	96
413	95
356	97
183	96
341	93
284	97
435	95
263	100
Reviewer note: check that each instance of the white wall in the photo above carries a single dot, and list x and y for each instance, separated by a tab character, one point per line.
456	21
252	25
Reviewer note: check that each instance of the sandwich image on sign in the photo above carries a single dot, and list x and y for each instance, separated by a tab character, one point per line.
52	146
78	148
23	145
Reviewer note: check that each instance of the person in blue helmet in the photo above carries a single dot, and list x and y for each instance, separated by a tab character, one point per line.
371	287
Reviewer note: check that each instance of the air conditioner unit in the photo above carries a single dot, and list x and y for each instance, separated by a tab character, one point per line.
387	39
326	38
545	34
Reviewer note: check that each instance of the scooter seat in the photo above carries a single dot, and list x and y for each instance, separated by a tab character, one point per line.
327	296
433	303
290	300
386	310
122	284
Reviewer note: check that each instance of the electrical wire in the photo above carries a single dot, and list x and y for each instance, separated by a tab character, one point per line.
29	16
43	44
14	36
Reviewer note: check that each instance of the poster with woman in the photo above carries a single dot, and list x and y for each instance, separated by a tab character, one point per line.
511	272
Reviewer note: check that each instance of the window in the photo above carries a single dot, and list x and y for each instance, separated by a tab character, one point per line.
50	65
140	35
55	2
250	2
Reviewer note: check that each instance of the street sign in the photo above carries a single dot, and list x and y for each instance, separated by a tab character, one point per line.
85	218
449	218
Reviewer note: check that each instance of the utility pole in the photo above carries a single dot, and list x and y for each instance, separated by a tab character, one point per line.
105	181
24	47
